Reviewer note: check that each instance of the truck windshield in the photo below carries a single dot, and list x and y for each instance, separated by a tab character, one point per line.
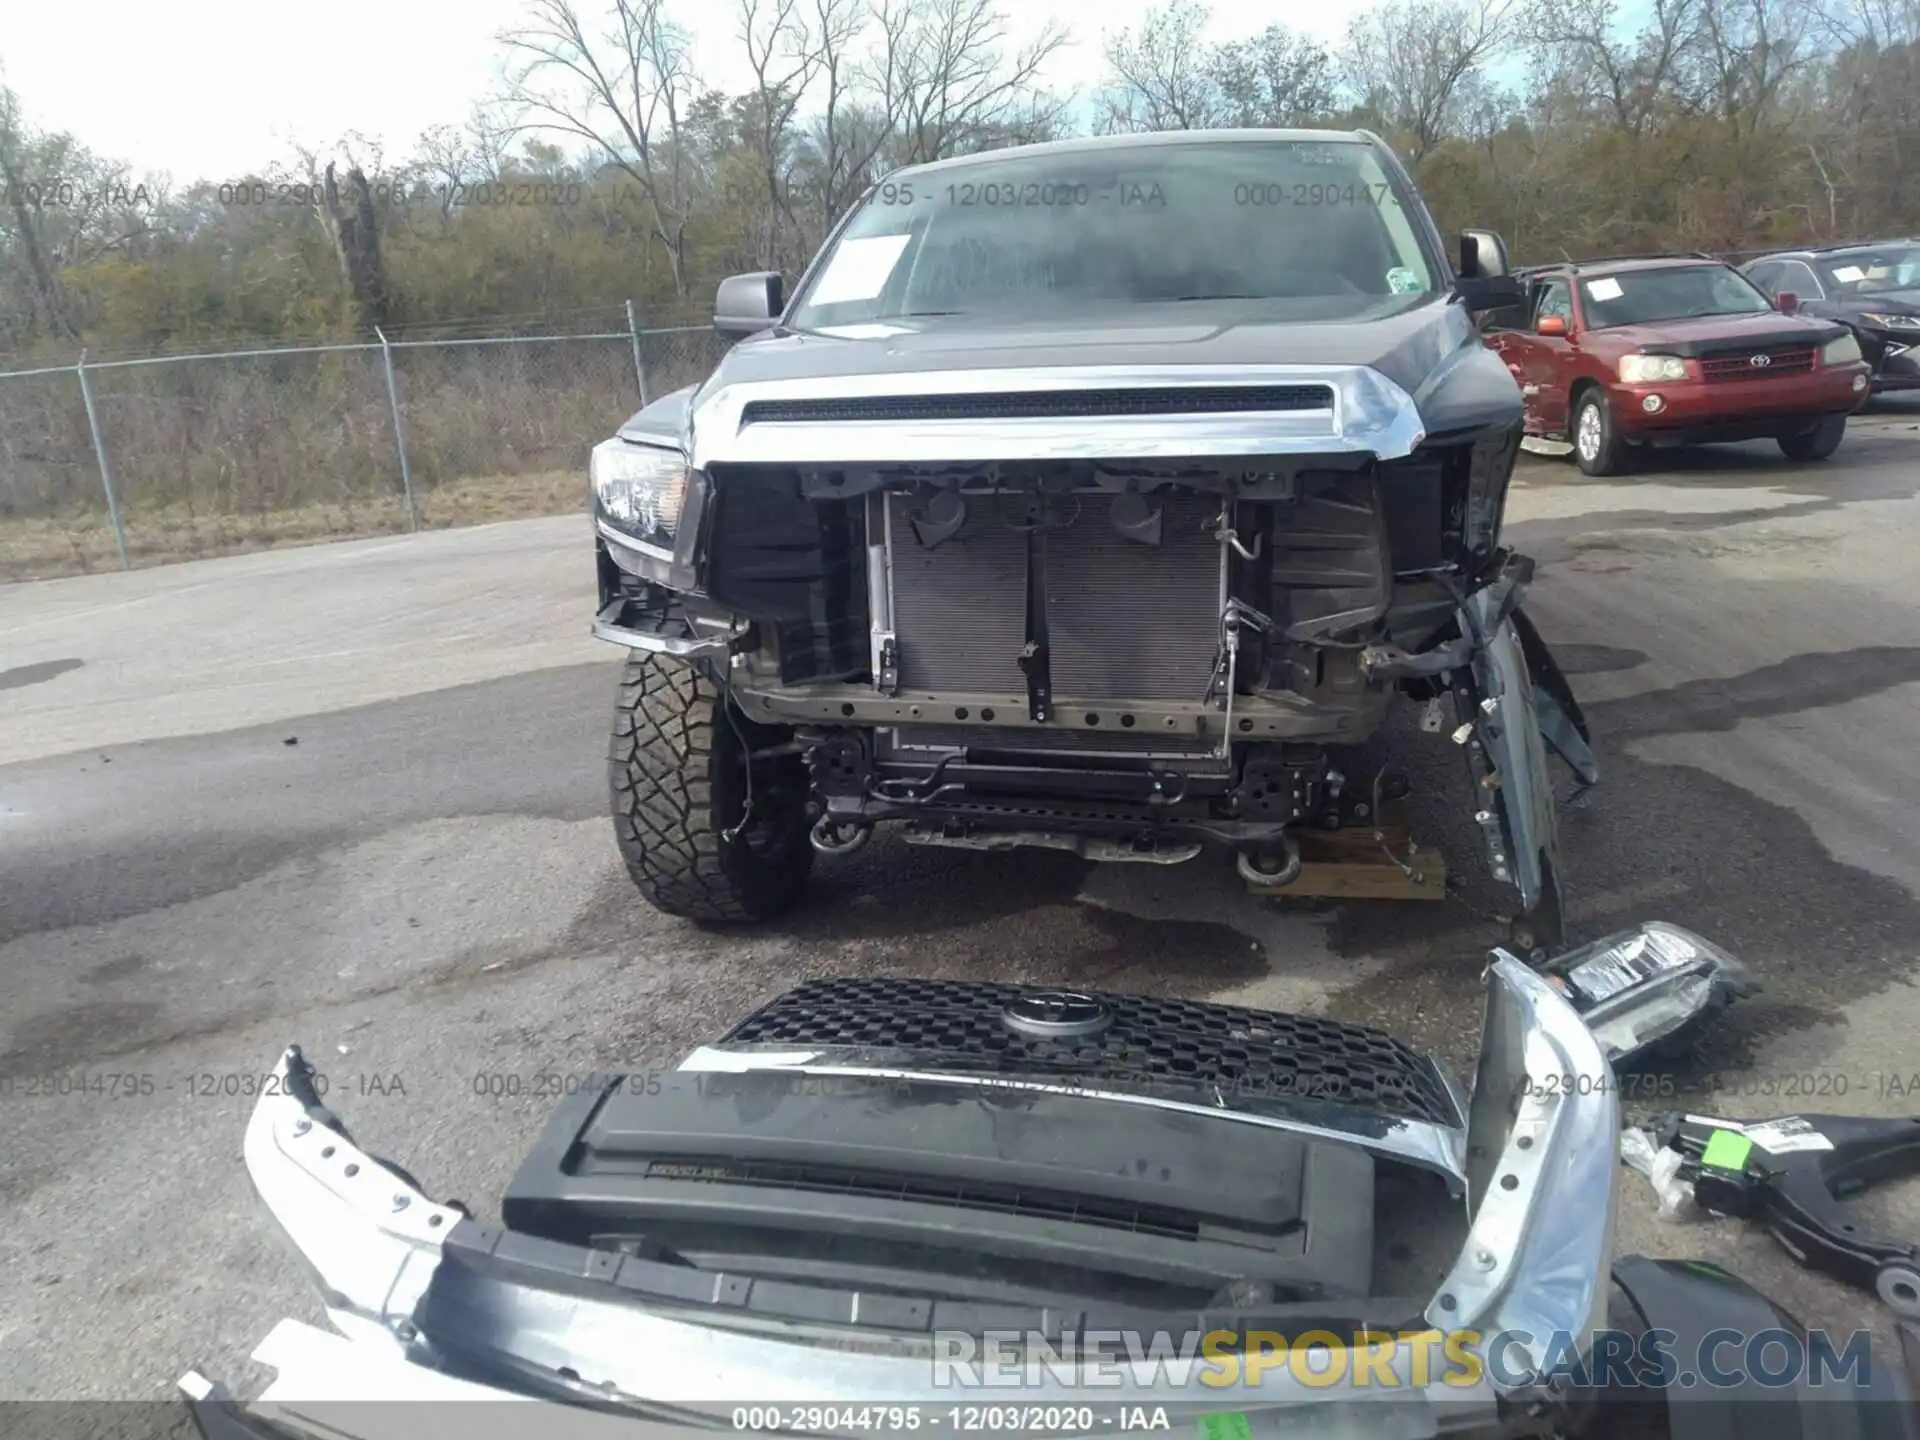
1318	227
1865	272
1678	292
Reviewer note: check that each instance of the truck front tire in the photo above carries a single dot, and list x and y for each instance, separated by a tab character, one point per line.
681	783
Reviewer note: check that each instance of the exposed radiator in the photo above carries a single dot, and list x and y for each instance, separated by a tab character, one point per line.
1125	622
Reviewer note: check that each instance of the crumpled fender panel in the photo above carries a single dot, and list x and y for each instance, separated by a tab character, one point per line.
1511	735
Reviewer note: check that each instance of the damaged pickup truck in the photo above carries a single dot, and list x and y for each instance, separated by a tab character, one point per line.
1101	495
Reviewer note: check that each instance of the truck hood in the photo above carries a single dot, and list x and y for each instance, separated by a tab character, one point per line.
1393	374
1403	342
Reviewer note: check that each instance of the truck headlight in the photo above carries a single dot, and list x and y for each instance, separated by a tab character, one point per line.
1843	351
639	489
1893	322
1646	369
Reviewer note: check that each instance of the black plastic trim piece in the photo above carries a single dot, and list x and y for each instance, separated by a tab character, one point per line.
1045	404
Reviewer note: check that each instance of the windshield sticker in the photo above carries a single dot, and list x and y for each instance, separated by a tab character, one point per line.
1402	281
1604	289
1849	274
859	269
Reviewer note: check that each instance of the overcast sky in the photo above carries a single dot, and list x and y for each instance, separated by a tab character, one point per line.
215	89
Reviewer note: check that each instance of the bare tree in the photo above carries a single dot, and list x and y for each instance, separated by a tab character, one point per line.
784	55
953	85
856	103
19	174
1630	78
1407	60
1161	76
354	224
1274	78
1753	48
629	94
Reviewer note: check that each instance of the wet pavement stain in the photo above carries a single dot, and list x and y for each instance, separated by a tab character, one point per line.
1597	659
95	1029
123	967
1803	682
36	674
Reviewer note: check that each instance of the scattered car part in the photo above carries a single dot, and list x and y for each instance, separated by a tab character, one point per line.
1646	992
1694	1301
1673	1196
664	1247
1787	1175
663	1241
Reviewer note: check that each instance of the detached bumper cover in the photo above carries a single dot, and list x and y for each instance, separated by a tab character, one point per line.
428	1305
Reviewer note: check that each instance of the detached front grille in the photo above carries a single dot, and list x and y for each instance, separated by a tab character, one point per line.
1152	1044
1743	366
1045	404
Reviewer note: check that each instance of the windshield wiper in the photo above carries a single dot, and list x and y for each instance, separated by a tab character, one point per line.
1182	299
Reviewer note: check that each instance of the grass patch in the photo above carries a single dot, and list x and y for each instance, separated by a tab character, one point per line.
40	549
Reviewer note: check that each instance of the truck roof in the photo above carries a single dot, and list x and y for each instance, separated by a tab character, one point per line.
1147	140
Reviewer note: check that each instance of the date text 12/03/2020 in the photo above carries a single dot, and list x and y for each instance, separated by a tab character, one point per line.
960	1419
1793	1085
186	1085
1137	194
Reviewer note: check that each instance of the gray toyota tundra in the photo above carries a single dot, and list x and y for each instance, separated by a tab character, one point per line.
1102	495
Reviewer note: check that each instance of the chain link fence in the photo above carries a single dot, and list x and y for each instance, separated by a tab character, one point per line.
142	461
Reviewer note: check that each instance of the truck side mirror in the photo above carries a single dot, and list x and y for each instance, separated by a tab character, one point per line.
1485	281
1483	255
1551	325
746	304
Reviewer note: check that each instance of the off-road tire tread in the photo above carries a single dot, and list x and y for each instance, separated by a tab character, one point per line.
667	796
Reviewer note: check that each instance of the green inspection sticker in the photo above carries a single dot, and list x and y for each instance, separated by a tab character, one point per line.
1726	1150
1231	1426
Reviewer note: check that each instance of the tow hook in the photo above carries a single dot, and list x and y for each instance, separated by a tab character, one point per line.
839	837
1259	866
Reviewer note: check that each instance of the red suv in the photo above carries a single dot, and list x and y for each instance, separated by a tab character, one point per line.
1673	350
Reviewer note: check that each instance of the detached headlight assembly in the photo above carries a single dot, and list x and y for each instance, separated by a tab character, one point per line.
1648	985
639	489
1843	351
1893	322
1648	369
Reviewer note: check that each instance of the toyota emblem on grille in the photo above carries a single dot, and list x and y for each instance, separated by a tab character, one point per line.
1760	362
1057	1015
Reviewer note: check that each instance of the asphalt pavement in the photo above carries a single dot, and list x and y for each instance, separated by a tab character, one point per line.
353	796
